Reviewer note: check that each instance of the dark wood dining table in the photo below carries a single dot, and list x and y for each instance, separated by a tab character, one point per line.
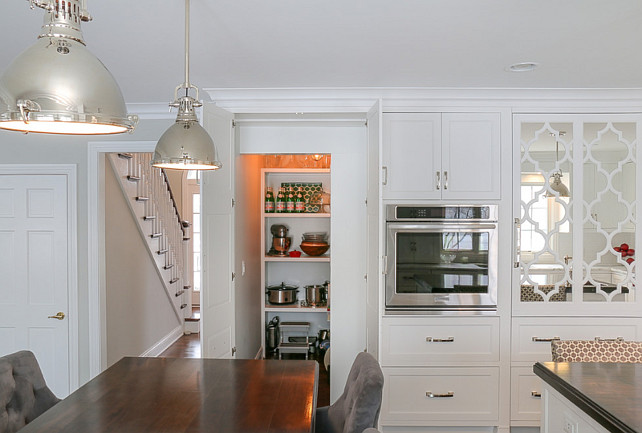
138	395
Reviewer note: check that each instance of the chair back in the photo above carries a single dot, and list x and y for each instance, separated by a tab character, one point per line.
24	395
596	351
359	406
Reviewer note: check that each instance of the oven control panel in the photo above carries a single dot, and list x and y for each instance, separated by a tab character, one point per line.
441	213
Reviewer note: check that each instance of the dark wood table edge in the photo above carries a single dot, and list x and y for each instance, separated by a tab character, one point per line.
605	418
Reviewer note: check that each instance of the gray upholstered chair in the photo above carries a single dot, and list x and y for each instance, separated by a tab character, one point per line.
24	395
358	407
371	430
596	351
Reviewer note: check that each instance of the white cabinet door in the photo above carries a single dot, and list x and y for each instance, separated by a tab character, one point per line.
411	155
470	155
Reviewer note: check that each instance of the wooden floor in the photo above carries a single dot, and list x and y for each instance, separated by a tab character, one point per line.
189	346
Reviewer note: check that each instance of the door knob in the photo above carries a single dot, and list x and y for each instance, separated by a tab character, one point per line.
59	315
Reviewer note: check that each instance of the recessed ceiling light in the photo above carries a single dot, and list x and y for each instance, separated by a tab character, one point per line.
522	67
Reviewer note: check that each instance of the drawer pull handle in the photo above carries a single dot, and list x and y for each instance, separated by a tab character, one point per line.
448	394
609	339
440	340
536	394
545	340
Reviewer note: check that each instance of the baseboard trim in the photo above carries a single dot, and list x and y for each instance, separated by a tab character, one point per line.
164	343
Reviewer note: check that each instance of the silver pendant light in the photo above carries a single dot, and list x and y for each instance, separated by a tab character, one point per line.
57	85
186	145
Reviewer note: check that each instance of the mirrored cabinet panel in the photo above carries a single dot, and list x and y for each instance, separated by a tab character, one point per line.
575	235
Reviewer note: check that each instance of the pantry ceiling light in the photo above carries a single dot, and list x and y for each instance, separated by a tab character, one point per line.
522	67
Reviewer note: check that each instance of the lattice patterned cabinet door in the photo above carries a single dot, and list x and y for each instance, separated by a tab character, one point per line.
576	209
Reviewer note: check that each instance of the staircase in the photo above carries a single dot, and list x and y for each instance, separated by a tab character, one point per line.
151	202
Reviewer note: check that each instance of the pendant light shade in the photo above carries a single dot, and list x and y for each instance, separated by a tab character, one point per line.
559	189
57	85
186	145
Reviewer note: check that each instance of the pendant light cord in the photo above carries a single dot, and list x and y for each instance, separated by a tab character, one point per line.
187	83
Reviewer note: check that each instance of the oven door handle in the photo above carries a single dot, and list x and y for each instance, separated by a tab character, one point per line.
440	227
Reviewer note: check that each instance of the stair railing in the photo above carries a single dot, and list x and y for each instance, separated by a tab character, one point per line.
163	224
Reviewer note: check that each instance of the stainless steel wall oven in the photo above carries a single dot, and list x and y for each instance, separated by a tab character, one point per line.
441	257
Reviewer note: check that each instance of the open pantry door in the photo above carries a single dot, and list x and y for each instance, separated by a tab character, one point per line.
217	292
373	260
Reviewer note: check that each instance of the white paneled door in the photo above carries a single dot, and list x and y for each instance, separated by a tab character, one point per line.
34	272
217	291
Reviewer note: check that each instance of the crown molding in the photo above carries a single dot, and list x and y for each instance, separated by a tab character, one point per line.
292	100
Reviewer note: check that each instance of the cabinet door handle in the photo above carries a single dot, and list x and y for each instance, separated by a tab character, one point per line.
430	394
445	180
440	340
518	242
536	394
438	180
384	181
545	340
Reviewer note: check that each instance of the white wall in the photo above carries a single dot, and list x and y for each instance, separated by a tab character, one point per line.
18	148
139	314
176	178
247	252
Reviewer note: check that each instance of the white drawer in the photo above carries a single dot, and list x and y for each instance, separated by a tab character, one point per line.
459	394
531	339
416	341
526	395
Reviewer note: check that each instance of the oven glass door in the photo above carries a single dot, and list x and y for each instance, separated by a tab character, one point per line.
441	266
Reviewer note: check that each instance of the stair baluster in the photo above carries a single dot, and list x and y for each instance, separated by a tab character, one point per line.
159	220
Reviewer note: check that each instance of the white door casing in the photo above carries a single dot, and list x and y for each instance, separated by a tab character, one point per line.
39	270
96	245
217	216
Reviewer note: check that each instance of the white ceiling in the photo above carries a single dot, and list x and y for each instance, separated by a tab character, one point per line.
354	43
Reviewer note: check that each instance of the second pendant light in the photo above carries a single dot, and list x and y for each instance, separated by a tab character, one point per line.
186	145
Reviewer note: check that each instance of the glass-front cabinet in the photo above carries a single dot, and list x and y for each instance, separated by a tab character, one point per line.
575	198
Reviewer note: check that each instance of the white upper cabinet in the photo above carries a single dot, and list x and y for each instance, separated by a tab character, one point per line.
441	156
470	155
411	155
